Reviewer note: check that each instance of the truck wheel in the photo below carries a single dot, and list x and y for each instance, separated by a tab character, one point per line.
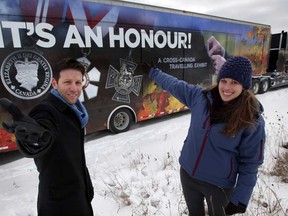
264	85
255	86
120	121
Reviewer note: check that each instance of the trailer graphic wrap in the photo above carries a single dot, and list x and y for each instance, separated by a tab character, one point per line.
91	79
112	39
123	81
26	74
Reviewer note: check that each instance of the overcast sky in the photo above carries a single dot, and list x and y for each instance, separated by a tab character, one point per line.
271	12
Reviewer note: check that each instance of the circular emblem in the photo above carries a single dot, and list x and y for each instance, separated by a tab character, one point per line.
86	81
124	81
123	84
26	74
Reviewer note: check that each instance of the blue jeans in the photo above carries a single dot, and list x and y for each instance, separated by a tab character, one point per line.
195	191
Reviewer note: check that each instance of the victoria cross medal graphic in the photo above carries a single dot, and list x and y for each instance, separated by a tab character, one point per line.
26	74
123	81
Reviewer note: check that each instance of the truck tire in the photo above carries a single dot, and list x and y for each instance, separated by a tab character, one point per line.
255	86
120	121
264	86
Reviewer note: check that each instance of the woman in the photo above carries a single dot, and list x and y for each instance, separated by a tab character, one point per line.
225	142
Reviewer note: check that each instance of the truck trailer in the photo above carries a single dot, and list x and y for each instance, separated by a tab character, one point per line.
277	72
112	39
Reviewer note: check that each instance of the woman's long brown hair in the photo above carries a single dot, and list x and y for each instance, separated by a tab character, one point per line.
239	113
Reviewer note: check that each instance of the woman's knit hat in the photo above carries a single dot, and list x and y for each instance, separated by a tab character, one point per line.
238	68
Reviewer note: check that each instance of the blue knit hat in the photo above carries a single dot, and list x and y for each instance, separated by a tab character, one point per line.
238	68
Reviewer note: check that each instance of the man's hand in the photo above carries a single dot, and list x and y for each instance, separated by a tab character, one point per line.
214	47
233	209
218	61
26	129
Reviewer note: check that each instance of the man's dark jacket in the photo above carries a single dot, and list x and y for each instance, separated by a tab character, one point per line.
65	187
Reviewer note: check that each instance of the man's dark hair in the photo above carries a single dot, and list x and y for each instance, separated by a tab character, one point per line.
67	63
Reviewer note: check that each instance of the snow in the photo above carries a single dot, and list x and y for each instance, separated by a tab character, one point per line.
137	172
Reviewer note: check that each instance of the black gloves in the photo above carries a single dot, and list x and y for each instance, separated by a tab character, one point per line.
30	136
233	209
146	67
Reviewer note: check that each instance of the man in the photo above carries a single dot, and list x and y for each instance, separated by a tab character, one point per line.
53	134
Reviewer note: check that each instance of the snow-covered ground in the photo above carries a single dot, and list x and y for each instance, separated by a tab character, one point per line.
137	172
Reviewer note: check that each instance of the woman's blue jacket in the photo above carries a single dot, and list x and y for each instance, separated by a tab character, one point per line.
209	155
